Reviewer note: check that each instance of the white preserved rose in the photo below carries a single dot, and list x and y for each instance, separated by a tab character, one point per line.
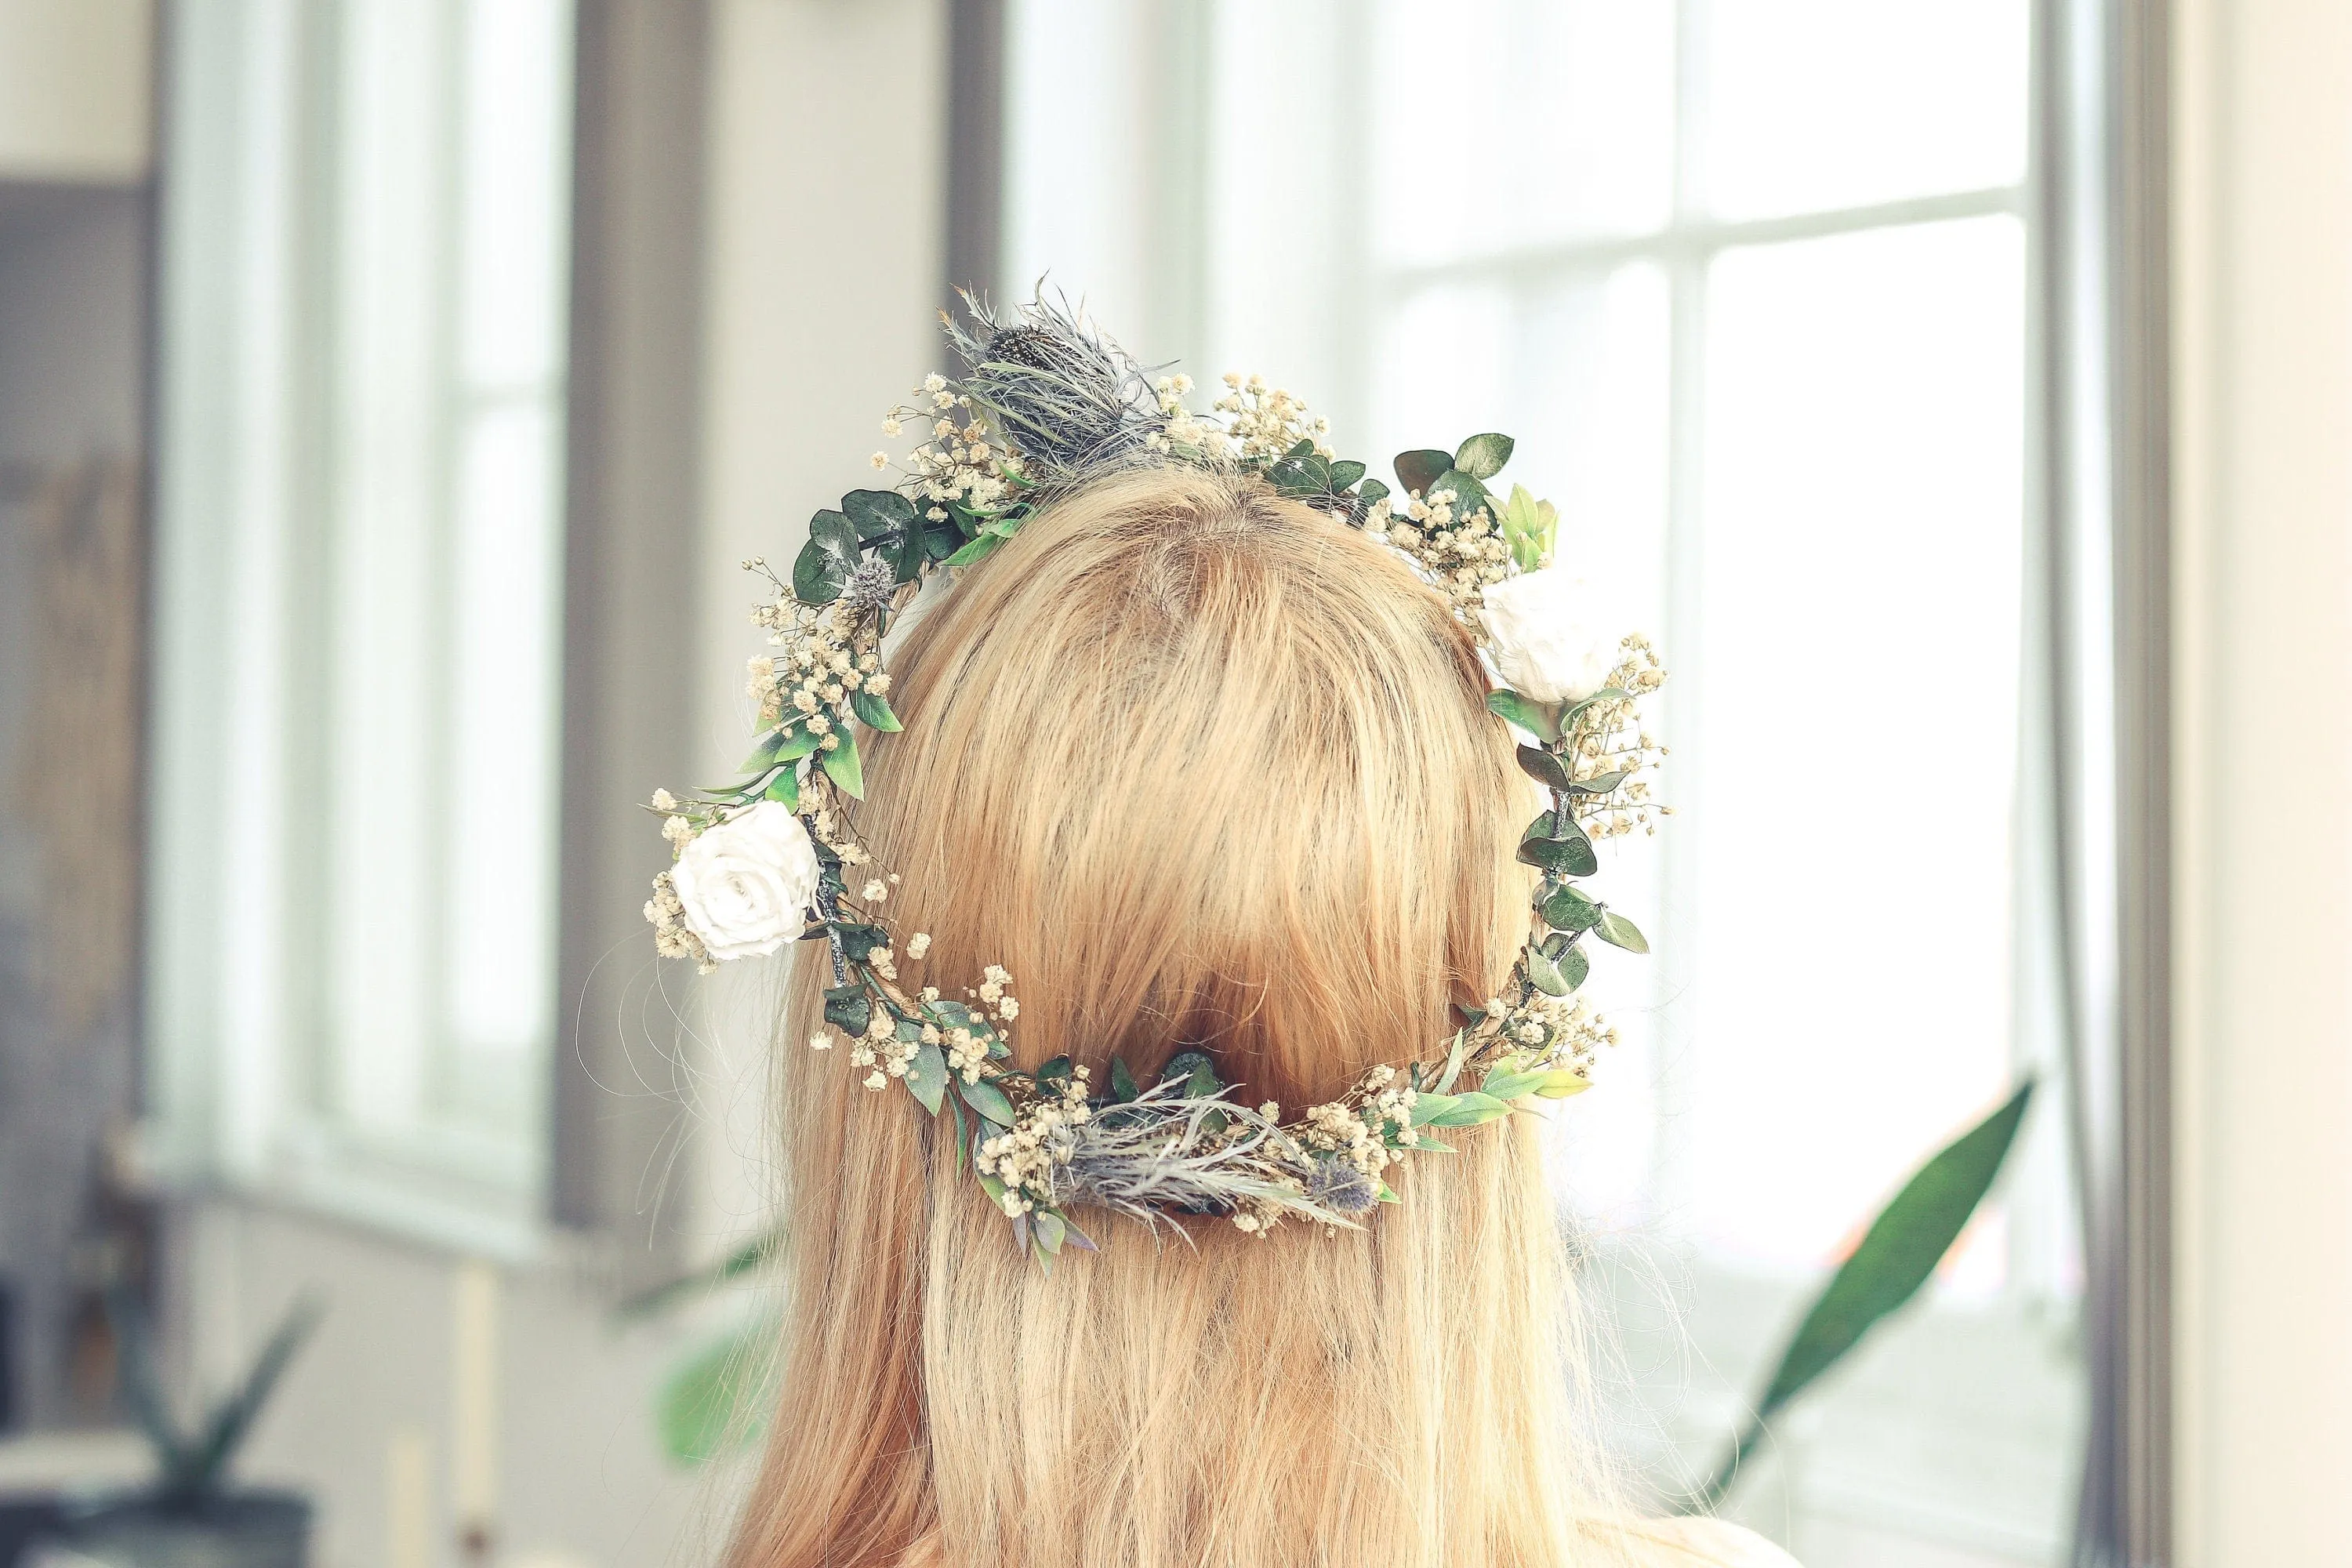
747	884
1552	637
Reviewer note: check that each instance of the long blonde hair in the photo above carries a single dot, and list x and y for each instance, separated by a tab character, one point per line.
1200	767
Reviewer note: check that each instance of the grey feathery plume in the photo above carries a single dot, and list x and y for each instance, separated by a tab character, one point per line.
1160	1154
1066	397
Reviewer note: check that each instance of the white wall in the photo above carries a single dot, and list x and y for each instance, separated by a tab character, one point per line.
827	267
2264	495
74	98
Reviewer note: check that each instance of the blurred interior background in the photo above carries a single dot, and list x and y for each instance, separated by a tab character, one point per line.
389	390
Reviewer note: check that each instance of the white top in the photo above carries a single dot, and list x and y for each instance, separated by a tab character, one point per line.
1707	1543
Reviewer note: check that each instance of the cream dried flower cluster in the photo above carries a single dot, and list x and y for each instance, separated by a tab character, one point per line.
1043	403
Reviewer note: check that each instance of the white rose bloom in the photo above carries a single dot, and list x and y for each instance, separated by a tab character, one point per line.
1551	635
747	883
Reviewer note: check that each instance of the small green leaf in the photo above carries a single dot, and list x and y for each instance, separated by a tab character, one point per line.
1054	1072
1543	973
1618	932
1540	719
1574	966
1543	768
1470	1109
1559	1083
1469	495
1599	783
841	764
1567	909
785	788
1049	1230
1570	855
874	710
797	744
1502	1085
976	550
1371	493
1199	1072
927	1074
1344	474
1418	471
763	751
1482	457
875	512
1122	1082
858	939
1388	1194
823	568
849	1008
1428	1107
711	1402
987	1100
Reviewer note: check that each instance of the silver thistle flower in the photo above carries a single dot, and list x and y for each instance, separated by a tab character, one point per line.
870	586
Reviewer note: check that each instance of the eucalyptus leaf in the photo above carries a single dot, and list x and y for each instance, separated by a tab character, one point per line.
1544	768
1544	973
1469	495
1570	855
824	566
1344	474
1618	932
1482	457
1574	966
874	710
1054	1072
841	764
1566	908
1122	1082
849	1009
859	940
927	1074
1198	1071
875	512
1540	719
1371	493
1418	471
987	1100
1599	783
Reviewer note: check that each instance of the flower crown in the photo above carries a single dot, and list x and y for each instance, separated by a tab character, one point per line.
1045	404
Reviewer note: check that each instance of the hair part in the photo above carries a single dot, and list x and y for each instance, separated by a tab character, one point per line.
1204	769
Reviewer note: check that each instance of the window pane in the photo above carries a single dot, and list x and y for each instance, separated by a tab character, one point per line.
1853	770
1521	121
1832	104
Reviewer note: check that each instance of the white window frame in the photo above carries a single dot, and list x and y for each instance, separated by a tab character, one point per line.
243	928
2004	1489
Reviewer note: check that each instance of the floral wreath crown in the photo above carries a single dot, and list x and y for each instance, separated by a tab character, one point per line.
1045	404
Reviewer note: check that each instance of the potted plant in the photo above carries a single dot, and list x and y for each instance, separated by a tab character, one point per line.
192	1516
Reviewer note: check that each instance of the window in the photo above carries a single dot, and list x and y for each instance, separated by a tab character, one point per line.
352	954
1751	284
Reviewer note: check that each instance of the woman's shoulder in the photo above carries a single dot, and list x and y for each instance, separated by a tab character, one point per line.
1702	1543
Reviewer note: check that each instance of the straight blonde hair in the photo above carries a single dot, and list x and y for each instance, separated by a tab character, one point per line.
1202	768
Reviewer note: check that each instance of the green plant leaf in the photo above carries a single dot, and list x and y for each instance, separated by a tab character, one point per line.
1199	1073
1049	1229
1482	457
1544	768
1344	474
1428	1106
1053	1072
1574	966
1469	495
1567	909
711	1402
1896	1256
823	568
1470	1109
874	710
1418	471
785	789
1122	1082
987	1100
1599	783
1618	932
849	1008
976	550
205	1467
1540	719
858	939
875	512
798	743
1570	855
1559	1083
1544	973
1371	493
841	764
927	1074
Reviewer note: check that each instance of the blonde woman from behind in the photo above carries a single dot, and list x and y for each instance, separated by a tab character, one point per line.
1204	769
